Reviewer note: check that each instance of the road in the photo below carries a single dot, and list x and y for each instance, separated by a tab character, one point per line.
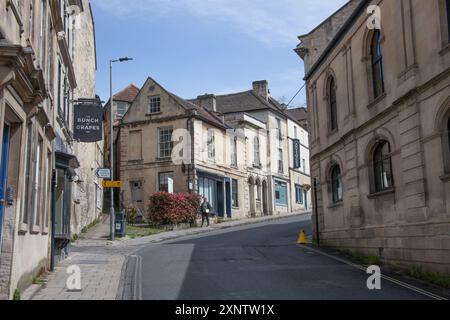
256	262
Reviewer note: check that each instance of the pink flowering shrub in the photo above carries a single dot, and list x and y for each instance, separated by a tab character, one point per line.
171	209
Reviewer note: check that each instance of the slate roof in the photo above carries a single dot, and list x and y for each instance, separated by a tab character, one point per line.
299	114
245	101
128	94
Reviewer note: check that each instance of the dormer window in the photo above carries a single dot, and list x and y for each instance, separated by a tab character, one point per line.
154	104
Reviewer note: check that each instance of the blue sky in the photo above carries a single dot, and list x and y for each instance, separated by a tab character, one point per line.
192	47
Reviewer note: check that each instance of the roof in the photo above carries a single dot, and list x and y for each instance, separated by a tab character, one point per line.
299	114
341	33
245	101
128	94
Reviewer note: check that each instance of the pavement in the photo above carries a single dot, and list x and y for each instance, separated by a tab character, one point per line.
108	269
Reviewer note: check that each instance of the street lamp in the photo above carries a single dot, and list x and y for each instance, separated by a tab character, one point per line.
111	152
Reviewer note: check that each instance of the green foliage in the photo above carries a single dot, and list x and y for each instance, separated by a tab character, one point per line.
39	281
436	278
141	231
16	295
361	258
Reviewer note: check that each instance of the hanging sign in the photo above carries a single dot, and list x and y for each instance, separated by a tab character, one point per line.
88	123
297	160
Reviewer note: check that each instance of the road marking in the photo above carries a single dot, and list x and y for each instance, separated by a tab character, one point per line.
137	279
397	282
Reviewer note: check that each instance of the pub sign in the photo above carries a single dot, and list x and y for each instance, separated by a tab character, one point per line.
297	160
88	123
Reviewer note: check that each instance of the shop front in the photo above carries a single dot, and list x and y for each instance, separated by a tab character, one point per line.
217	190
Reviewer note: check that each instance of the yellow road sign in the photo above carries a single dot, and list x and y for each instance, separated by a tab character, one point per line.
112	184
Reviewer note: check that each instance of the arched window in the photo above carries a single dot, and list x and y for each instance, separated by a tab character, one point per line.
376	52
382	164
336	184
332	101
448	134
256	152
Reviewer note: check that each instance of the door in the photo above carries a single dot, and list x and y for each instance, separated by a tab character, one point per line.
228	196
137	194
220	200
3	175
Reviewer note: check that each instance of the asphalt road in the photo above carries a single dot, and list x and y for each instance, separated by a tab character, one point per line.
256	262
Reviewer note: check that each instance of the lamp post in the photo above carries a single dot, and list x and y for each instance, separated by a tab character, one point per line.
111	138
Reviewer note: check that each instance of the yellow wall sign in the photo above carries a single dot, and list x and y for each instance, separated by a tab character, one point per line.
112	184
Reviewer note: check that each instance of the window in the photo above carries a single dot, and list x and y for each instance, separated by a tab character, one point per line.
234	151
332	104
37	184
28	173
448	134
211	144
31	23
234	194
166	182
382	165
154	104
376	52
295	132
208	188
298	194
447	5
47	189
280	135
304	165
256	152
336	184
42	32
280	161
165	142
121	109
281	193
98	195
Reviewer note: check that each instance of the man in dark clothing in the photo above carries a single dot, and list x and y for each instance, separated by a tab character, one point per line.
205	209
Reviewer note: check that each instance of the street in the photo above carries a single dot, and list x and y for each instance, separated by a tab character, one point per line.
256	262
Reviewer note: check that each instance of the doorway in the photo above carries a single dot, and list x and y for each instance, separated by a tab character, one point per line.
264	198
228	196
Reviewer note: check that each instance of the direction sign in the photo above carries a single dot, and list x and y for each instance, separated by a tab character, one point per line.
112	184
103	173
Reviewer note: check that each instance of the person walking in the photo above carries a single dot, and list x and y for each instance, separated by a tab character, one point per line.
205	209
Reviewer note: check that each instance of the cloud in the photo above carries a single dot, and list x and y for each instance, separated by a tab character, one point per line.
274	22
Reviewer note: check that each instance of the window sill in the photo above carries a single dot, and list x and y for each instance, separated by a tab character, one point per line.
257	166
445	177
164	159
153	114
377	100
381	193
281	205
336	205
332	132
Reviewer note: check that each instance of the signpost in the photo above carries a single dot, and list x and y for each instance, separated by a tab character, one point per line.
103	173
112	184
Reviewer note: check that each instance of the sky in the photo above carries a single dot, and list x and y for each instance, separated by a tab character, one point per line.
193	47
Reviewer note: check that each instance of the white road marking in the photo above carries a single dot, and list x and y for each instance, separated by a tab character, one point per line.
397	282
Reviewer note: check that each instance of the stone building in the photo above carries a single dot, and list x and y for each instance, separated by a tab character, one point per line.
379	116
238	150
38	79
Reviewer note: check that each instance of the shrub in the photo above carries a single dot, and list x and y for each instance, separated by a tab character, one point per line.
171	209
131	213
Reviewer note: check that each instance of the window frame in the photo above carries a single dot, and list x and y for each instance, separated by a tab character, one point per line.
332	104
164	144
299	191
377	65
256	151
235	193
167	174
211	144
154	104
281	184
337	188
380	160
280	160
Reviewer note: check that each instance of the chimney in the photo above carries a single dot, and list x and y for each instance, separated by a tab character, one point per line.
261	88
208	101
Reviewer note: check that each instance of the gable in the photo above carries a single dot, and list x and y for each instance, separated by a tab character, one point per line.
140	108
